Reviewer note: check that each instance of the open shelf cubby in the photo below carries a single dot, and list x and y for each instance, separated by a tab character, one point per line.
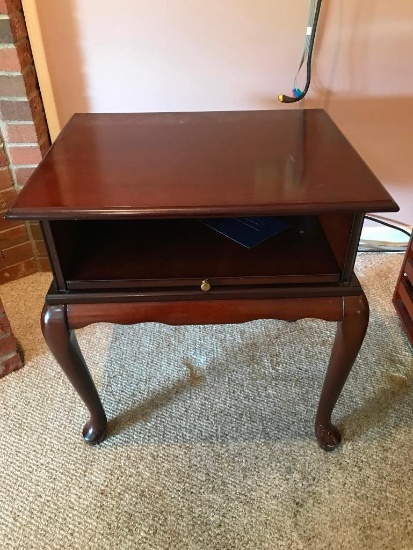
102	254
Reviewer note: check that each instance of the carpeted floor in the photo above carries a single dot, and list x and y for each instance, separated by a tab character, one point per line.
211	443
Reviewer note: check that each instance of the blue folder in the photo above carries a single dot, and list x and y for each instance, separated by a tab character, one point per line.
248	232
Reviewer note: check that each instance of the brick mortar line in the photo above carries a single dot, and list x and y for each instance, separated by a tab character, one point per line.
14	246
22	122
21	98
22	72
5	45
26	143
6	151
34	248
21	261
10	73
4	123
10	13
13	166
6	143
17	9
17	98
12	121
11	229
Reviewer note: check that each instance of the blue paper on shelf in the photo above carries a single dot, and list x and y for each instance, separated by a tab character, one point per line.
248	232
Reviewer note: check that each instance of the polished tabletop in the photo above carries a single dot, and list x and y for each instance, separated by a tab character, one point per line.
200	164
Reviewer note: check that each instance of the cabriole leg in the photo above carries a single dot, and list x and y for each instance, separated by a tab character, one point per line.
349	337
64	347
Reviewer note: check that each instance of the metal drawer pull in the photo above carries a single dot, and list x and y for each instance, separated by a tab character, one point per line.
205	285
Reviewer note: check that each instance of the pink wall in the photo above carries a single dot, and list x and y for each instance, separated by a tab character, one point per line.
175	55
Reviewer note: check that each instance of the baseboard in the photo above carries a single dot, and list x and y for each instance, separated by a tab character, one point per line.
382	238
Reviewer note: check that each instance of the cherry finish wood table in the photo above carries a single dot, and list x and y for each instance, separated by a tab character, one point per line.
403	293
120	198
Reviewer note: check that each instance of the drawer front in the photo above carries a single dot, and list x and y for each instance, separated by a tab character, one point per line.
203	284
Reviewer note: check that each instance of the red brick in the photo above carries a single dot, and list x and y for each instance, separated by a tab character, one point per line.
44	264
15	110
23	174
20	133
11	364
17	57
6	33
5	179
18	253
9	6
12	86
12	28
17	271
13	236
9	59
21	85
4	161
7	198
25	155
4	326
7	345
7	224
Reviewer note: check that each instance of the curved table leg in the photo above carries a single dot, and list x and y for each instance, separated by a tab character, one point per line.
349	337
63	344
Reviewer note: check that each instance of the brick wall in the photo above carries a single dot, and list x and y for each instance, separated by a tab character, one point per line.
24	139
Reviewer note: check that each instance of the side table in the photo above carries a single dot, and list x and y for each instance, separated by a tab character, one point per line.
121	199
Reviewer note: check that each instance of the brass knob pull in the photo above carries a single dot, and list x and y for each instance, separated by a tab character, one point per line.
205	285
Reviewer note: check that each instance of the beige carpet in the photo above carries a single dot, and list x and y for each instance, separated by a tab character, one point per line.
212	444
